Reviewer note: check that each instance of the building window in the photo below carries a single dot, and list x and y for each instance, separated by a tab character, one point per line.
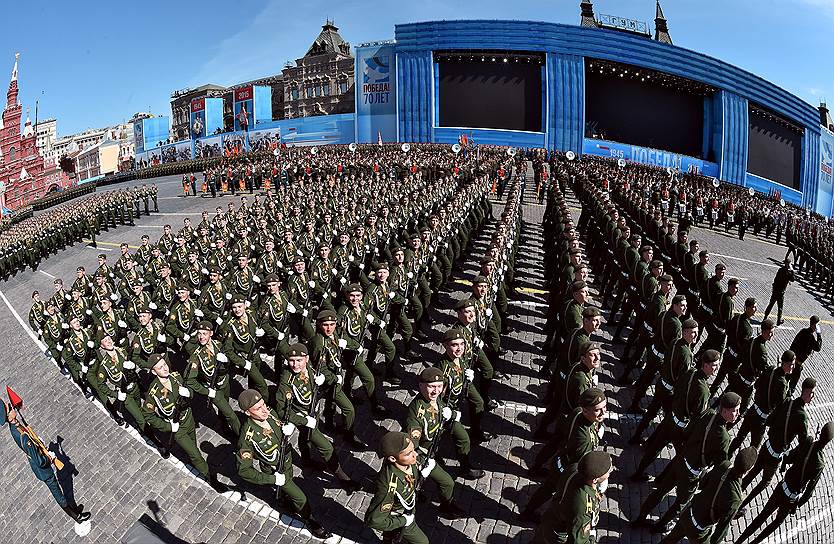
343	86
326	88
11	153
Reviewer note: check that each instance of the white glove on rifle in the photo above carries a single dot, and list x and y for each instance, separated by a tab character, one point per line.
280	479
311	284
447	413
186	337
121	395
319	379
248	365
342	343
409	519
64	325
410	275
255	278
310	423
199	313
290	308
470	374
371	319
305	313
184	392
175	426
339	379
219	320
122	324
222	357
428	468
212	393
129	365
90	344
457	415
259	332
391	295
287	429
152	305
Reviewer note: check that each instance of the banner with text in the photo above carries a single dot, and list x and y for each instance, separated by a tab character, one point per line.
647	155
376	94
825	191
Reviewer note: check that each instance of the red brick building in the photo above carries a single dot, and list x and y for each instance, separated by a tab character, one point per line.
23	175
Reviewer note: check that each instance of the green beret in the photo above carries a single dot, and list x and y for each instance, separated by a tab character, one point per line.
353	288
431	375
205	325
381	266
248	398
745	459
326	315
710	356
577	286
297	350
392	443
594	464
465	303
479	279
666	277
591	312
689	324
155	358
729	400
827	433
238	299
591	397
788	356
809	383
588	347
453	334
272	278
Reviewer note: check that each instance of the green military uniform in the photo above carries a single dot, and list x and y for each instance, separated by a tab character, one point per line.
240	334
353	324
395	496
209	376
112	376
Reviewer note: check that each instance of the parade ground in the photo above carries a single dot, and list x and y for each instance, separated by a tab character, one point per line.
119	477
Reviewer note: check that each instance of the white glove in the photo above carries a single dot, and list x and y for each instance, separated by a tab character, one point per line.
255	278
351	258
184	392
248	365
84	369
161	337
88	312
198	292
310	423
342	343
339	379
204	270
121	396
175	426
343	280
280	479
319	379
281	336
67	296
64	325
367	247
409	519
129	365
391	295
428	468
114	297
259	332
819	329
229	258
199	313
470	374
152	305
379	233
311	283
457	415
219	320
601	431
122	324
361	266
305	313
288	429
489	312
334	271
360	351
290	308
186	337
447	413
212	393
112	275
90	344
410	275
228	296
383	323
370	319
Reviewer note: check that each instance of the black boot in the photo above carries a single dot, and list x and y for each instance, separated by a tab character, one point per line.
353	440
478	434
449	510
216	484
313	526
349	485
77	515
468	472
378	410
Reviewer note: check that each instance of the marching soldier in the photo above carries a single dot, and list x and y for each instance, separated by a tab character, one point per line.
379	301
209	375
37	313
113	377
753	363
240	332
739	332
804	344
353	324
150	338
474	354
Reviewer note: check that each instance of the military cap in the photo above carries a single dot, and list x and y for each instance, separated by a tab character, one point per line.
272	278
35	293
677	299
413	235
729	400
323	245
326	315
732	281
591	312
693	242
487	259
587	347
703	253
465	303
51	302
382	265
353	288
397	249
144	237
79	269
710	356
101	274
745	459
183	286
453	334
298	259
635	238
154	358
431	375
594	464
749	302
656	264
248	398
689	324
479	280
809	383
575	251
297	350
827	433
591	397
721	266
815	319
237	298
392	443
577	286
666	278
102	256
425	228
144	309
788	356
768	324
214	269
205	326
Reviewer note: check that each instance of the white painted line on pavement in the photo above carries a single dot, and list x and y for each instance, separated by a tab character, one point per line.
182	467
47	274
745	260
529	303
179	214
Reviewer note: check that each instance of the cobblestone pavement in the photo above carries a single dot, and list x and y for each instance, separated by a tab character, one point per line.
119	478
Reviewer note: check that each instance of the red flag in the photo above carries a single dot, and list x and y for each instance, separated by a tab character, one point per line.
14	398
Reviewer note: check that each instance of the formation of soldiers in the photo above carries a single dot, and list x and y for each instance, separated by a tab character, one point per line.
311	295
27	243
687	338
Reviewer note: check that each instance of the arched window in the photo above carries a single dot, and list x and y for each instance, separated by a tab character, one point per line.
12	153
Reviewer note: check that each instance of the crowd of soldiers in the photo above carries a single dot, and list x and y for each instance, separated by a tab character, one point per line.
27	243
686	339
297	293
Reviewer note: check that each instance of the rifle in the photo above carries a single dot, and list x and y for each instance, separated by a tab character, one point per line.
24	428
215	375
282	449
182	403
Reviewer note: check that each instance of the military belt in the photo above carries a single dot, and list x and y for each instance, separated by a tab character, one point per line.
658	353
793	497
773	452
694	522
759	411
679	422
694	471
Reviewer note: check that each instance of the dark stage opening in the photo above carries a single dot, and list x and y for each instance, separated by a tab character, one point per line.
774	147
634	105
490	89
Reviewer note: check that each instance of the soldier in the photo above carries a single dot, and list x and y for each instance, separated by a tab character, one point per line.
41	463
37	313
264	437
379	301
804	345
167	410
574	515
300	290
150	338
753	363
739	332
214	297
113	377
183	317
474	354
711	511
275	310
428	415
720	317
783	277
393	507
209	375
353	325
240	332
110	322
706	445
77	354
807	463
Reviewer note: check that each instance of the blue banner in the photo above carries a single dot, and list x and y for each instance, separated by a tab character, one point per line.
647	155
263	105
150	133
376	94
825	191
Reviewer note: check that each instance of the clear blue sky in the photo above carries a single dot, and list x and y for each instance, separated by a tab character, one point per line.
95	63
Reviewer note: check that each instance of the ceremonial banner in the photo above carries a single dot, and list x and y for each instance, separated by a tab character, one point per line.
647	155
244	108
265	140
825	191
376	99
205	148
198	118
